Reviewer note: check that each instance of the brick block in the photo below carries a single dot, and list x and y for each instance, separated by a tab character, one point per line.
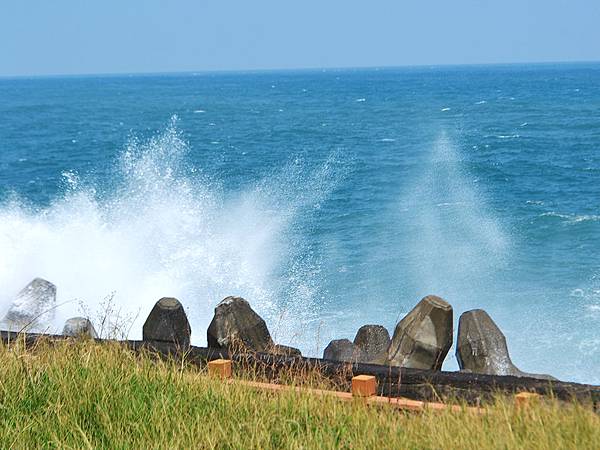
220	368
524	399
364	386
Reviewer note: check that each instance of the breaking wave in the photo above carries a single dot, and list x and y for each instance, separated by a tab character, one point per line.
572	218
166	229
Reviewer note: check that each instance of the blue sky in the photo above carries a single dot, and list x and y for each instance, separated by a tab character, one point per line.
115	36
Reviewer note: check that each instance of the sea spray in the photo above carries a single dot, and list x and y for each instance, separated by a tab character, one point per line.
166	229
455	242
579	330
359	248
456	246
452	244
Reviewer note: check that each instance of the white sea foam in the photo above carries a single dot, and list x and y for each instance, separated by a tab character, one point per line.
482	102
445	109
450	204
572	218
360	100
168	231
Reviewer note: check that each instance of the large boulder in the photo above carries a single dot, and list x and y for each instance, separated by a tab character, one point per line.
79	326
342	350
32	308
481	347
167	322
422	339
236	326
373	341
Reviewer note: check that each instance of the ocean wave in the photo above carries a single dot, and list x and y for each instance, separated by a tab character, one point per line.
572	218
450	203
166	229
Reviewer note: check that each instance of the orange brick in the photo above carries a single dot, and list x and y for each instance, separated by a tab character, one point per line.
220	368
364	386
523	399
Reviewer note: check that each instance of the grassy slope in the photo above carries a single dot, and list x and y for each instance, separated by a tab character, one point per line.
90	395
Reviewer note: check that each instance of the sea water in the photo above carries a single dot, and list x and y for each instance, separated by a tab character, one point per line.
328	199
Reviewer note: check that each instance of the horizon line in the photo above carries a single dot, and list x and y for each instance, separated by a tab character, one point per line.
293	69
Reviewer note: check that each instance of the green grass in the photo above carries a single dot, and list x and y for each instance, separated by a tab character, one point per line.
87	395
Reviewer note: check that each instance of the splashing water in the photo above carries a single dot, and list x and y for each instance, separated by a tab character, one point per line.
455	244
168	230
508	225
165	228
452	245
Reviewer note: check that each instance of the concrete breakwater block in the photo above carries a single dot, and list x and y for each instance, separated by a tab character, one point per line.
33	306
373	341
481	347
423	337
343	350
79	326
285	350
236	326
167	322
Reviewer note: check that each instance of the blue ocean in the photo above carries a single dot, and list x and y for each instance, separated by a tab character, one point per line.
329	199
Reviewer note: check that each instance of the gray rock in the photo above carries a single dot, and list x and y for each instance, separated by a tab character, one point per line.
33	307
79	326
481	347
342	350
167	322
422	339
236	326
285	350
373	341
